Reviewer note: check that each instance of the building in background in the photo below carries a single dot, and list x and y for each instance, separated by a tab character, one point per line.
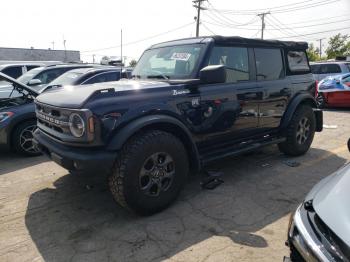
25	54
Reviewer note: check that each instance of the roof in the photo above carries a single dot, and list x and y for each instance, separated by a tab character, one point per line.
94	69
236	40
329	62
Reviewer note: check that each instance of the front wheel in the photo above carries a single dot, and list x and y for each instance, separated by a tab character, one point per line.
150	172
22	139
300	132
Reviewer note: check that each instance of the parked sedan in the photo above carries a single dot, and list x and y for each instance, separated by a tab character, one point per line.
39	77
84	76
334	91
319	230
17	116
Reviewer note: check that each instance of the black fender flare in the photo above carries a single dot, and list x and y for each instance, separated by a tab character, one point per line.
302	98
162	122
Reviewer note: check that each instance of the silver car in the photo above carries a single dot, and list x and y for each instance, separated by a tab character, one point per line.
319	230
321	70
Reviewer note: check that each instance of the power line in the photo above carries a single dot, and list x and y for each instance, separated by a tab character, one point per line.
321	32
140	40
282	10
208	29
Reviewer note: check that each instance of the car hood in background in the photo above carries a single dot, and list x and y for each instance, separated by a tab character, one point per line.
331	201
6	89
77	96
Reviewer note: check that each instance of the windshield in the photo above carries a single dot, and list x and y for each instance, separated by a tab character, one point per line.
25	78
66	79
172	62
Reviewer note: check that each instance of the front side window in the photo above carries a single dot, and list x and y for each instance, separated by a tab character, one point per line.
269	64
48	75
172	62
297	61
235	59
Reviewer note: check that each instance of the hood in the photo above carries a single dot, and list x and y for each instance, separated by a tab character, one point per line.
331	199
77	96
6	89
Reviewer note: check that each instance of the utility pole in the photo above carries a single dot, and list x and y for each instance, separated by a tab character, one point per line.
262	16
321	46
93	59
53	45
197	5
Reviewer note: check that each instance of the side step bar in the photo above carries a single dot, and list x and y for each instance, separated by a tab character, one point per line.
238	149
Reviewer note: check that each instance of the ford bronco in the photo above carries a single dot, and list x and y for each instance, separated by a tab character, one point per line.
190	102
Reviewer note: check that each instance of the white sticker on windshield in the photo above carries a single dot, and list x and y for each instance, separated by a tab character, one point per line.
180	56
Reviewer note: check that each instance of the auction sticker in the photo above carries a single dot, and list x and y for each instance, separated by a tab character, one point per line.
180	56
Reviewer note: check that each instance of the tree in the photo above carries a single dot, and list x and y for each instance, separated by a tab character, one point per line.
312	53
133	63
338	46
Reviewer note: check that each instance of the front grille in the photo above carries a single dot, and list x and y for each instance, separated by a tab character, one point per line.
53	120
334	245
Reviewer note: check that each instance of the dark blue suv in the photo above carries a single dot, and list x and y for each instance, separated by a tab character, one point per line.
192	101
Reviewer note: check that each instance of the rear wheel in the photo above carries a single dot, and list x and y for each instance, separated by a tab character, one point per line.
22	139
300	132
150	172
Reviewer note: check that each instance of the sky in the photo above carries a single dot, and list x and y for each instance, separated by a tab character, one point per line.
94	27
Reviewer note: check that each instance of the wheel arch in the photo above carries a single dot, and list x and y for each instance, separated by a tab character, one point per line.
158	122
302	99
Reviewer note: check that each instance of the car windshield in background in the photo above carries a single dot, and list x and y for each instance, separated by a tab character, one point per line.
173	62
66	79
325	69
25	78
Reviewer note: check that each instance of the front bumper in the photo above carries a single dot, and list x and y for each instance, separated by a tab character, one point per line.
74	158
306	242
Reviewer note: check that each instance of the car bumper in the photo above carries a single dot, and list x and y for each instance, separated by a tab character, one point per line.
71	158
4	139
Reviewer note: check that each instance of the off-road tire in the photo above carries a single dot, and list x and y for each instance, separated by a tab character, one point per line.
17	144
124	180
291	146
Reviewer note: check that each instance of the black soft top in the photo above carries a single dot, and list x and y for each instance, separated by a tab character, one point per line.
237	40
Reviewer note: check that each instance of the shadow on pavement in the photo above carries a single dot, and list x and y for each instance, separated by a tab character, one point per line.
10	162
76	222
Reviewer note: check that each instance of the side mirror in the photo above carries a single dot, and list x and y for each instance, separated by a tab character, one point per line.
213	74
34	82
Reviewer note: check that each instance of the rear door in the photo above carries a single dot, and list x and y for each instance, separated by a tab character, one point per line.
275	87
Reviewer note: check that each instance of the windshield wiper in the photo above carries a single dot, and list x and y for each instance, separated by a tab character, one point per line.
158	76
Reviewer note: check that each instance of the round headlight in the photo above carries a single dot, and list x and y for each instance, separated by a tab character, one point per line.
76	125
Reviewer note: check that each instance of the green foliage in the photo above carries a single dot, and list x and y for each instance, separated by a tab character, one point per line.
338	45
133	63
313	53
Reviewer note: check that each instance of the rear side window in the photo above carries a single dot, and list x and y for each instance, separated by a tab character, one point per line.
297	61
235	59
31	67
14	71
325	69
269	64
348	66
